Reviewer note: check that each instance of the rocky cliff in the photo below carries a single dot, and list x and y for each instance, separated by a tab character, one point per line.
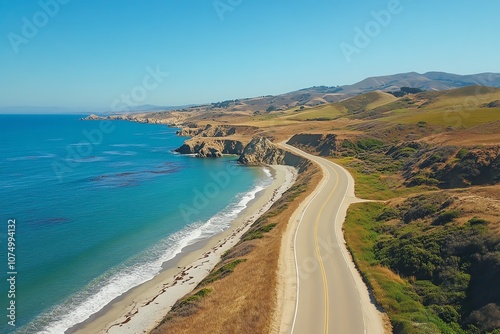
217	131
189	132
210	148
92	117
321	144
261	151
477	166
214	140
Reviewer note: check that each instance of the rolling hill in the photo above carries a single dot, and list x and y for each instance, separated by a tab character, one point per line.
323	95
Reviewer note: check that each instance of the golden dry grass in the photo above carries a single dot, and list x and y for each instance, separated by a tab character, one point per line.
481	202
459	118
383	99
329	111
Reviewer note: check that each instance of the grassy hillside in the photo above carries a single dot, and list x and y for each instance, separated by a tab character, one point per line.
431	273
328	112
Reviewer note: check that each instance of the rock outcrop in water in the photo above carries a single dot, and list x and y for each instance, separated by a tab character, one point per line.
93	117
210	148
167	118
212	141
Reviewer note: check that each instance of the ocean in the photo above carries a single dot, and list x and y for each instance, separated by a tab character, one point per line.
99	207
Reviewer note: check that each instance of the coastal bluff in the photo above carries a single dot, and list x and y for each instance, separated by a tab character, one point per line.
209	130
261	151
254	149
173	119
210	148
320	144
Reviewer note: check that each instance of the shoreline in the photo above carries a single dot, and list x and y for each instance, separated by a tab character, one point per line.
140	309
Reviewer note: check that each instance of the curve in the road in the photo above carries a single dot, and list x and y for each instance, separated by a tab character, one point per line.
346	306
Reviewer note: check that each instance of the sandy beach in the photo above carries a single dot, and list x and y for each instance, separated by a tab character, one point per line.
142	308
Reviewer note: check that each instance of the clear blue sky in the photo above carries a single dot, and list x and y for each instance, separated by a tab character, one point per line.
91	52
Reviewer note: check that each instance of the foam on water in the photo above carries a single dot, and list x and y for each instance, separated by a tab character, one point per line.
87	159
129	145
124	153
41	155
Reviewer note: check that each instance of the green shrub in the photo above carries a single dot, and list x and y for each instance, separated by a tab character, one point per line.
222	272
462	153
422	180
388	213
477	221
369	143
446	217
258	233
447	312
189	305
404	152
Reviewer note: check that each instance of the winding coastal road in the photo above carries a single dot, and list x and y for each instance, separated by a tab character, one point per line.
331	296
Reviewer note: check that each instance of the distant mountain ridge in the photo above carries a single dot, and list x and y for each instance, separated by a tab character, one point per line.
426	81
318	95
148	108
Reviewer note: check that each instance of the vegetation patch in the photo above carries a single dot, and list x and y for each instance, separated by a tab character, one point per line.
446	217
429	274
221	272
189	305
239	250
394	294
405	91
258	233
360	103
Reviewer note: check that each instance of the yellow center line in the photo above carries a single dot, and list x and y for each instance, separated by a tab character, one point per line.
318	252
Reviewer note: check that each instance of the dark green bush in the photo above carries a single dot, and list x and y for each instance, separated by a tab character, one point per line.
448	313
462	153
446	217
478	221
388	213
222	272
369	143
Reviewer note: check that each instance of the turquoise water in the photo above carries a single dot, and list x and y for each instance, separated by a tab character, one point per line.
99	206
